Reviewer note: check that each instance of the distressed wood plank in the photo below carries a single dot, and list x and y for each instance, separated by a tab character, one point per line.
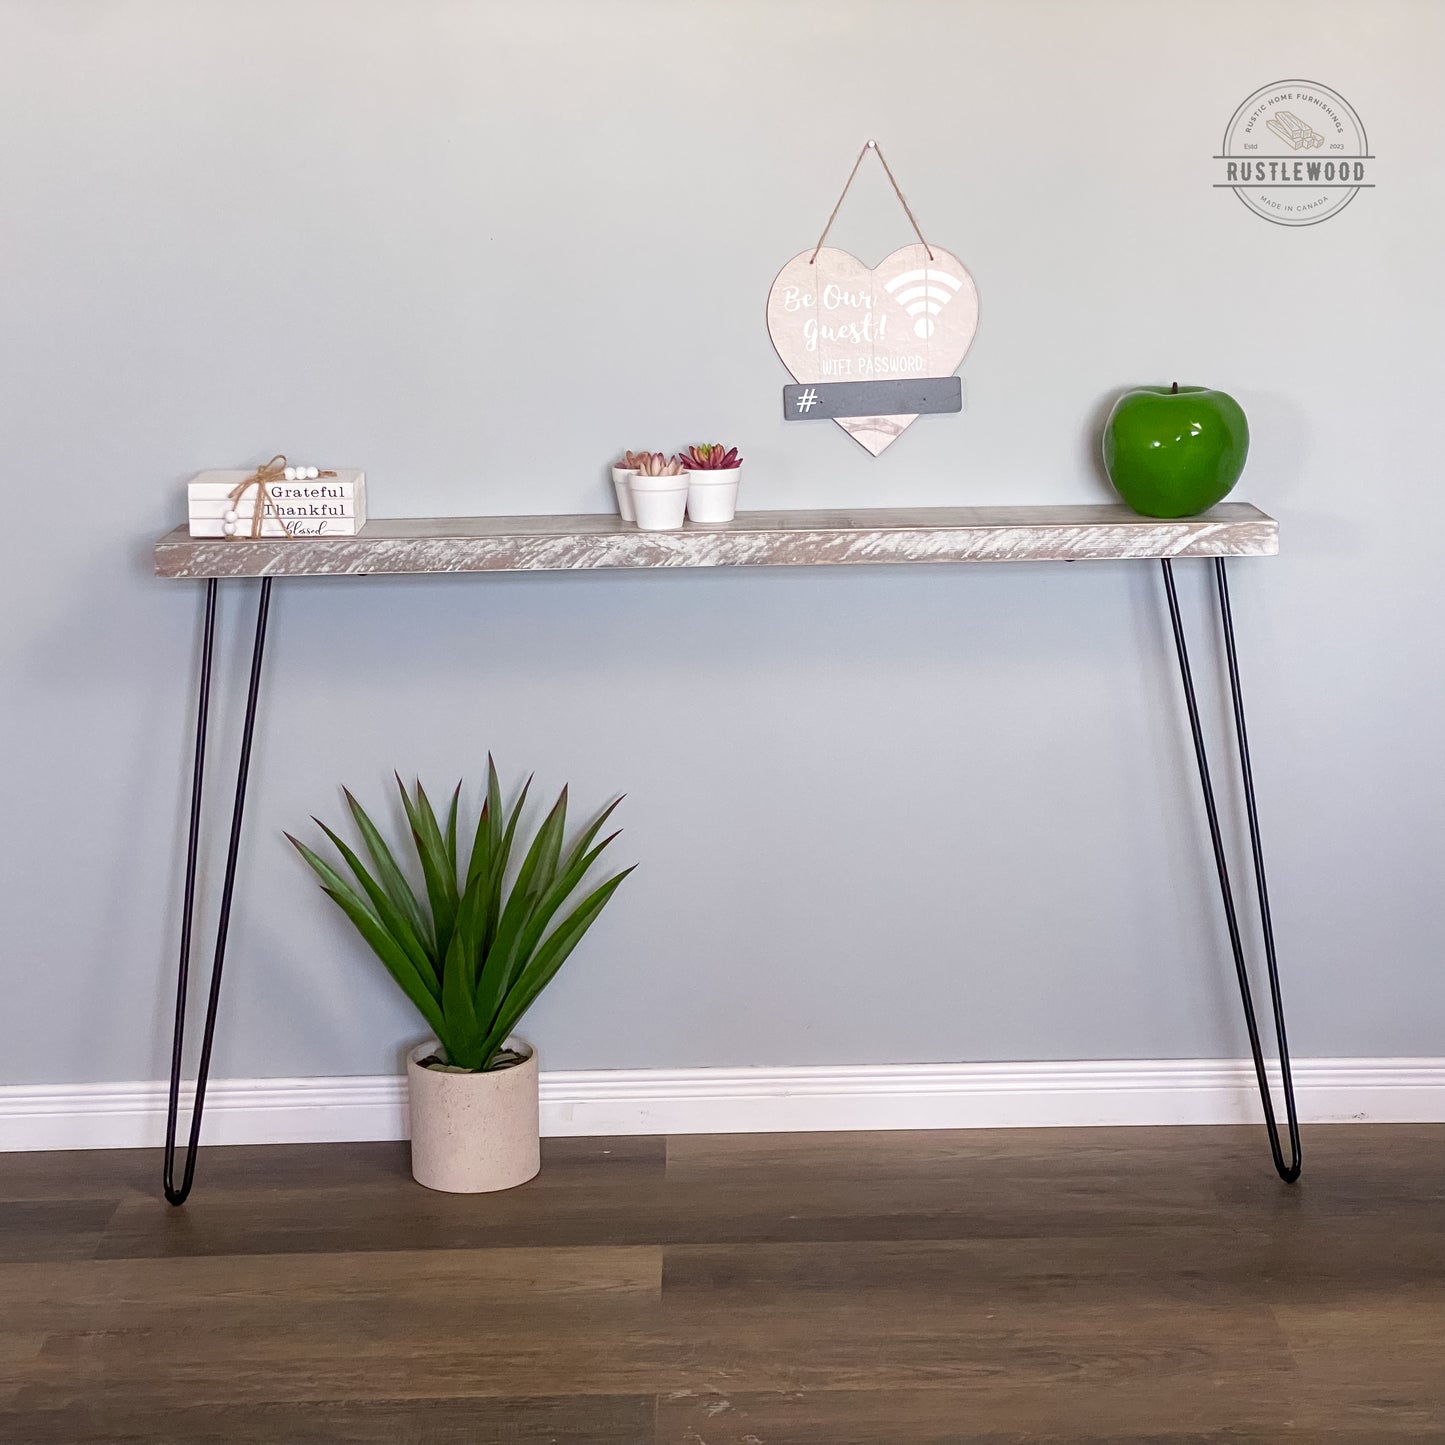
1106	532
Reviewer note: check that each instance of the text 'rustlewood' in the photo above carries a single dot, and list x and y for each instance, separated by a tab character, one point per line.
1291	172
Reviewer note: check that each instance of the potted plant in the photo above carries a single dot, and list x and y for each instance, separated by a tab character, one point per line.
622	483
712	481
659	492
472	950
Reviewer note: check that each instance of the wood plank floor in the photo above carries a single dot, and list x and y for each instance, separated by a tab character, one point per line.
827	1289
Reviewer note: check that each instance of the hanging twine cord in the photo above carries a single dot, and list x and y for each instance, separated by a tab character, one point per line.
902	200
261	479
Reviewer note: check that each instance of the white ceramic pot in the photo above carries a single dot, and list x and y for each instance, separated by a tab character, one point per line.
622	485
713	496
659	502
473	1133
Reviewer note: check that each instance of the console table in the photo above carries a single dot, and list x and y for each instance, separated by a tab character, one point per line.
921	535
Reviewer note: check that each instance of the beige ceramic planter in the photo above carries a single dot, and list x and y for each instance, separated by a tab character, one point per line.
473	1133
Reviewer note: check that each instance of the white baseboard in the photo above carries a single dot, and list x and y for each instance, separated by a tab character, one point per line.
755	1100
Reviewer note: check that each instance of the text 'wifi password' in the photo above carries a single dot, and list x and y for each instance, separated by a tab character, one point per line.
923	294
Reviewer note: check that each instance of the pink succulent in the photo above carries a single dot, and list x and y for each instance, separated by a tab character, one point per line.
654	464
710	457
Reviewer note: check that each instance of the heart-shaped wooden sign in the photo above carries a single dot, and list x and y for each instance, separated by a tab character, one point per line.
912	316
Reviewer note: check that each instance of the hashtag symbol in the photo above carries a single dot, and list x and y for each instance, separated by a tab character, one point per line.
807	400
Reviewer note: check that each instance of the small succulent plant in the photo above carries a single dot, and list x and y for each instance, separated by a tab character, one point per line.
654	464
710	457
632	460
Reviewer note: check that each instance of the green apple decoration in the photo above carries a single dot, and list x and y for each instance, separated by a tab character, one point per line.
1174	451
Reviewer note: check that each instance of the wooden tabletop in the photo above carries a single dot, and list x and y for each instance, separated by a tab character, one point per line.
1108	532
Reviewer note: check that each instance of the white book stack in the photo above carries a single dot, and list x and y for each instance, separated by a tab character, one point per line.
324	506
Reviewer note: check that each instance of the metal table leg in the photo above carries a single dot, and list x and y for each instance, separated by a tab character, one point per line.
174	1194
1290	1171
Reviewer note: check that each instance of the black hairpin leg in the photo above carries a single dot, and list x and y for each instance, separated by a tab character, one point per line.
1290	1171
173	1194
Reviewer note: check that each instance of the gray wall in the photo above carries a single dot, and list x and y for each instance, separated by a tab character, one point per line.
893	815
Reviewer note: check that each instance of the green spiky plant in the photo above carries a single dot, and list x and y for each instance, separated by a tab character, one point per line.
477	948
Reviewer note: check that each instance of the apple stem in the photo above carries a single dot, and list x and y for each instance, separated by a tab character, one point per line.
1174	390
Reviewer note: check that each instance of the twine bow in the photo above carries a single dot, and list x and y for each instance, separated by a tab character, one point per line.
261	479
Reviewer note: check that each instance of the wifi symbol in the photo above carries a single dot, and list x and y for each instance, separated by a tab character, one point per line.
923	294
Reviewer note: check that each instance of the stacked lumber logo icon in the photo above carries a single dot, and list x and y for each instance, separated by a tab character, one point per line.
1294	132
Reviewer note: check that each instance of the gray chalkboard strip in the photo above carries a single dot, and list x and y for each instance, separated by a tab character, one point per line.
825	400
